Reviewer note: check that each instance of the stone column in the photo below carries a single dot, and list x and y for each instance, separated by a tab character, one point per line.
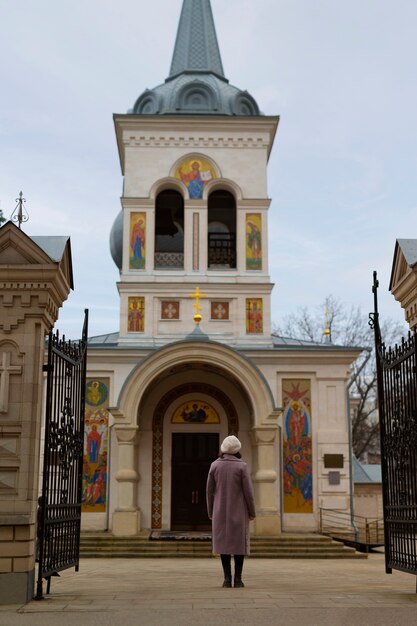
126	518
33	286
264	476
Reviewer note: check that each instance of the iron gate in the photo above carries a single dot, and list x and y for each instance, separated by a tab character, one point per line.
397	404
59	506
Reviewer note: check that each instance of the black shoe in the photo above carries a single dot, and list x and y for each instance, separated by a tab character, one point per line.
239	582
227	582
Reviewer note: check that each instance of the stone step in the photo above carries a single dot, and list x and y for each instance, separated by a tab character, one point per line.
104	545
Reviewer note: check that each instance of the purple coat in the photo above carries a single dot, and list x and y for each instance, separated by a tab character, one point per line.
230	503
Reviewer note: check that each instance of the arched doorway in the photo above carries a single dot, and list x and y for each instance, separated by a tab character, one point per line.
192	454
191	416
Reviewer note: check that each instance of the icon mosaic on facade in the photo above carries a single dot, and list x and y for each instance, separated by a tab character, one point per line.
96	429
253	241
137	250
195	412
297	453
254	316
195	174
136	315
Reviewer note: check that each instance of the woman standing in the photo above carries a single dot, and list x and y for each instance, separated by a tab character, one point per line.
230	504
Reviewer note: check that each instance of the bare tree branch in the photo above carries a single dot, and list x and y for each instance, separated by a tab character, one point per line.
348	327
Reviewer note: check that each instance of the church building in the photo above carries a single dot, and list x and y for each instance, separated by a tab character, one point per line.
194	359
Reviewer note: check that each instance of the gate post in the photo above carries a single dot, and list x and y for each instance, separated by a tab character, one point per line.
35	280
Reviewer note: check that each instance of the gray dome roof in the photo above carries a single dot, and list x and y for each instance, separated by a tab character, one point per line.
116	240
196	84
196	94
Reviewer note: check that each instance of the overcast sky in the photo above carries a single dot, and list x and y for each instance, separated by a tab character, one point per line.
342	175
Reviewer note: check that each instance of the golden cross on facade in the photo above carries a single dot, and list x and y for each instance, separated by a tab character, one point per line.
327	333
197	295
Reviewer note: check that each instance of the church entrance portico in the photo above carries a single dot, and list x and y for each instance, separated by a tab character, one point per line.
183	412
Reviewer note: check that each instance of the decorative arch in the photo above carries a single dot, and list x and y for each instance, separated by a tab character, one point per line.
220	357
244	104
169	182
223	183
196	97
147	104
158	432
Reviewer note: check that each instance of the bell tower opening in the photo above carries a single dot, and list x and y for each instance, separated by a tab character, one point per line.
169	230
221	230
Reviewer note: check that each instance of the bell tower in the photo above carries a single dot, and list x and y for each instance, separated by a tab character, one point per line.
194	153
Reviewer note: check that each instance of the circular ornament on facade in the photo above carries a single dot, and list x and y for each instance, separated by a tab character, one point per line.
95	393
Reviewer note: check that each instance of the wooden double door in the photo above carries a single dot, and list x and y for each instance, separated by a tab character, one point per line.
192	454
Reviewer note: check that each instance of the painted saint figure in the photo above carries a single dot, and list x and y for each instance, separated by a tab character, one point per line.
93	444
254	241
138	240
135	316
254	317
195	179
195	415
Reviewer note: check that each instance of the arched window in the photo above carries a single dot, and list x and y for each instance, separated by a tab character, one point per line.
169	230
221	230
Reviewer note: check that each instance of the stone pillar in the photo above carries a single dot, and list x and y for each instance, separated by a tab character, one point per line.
126	518
264	476
33	285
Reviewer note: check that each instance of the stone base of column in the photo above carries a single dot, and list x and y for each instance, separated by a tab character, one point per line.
126	523
17	588
267	525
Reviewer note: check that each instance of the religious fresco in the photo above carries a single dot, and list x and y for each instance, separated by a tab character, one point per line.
195	412
136	315
170	310
254	316
253	241
297	454
219	310
195	174
96	429
137	249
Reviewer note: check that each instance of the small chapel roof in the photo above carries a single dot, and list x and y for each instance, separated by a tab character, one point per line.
365	473
278	343
408	248
293	343
54	246
196	84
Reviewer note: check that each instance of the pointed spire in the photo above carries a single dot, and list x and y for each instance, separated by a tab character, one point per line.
196	47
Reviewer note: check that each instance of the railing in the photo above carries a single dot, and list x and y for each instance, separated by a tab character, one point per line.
364	533
169	260
222	250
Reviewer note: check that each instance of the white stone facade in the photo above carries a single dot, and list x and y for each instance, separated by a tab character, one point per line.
239	374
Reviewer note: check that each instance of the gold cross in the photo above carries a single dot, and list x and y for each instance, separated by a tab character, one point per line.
197	295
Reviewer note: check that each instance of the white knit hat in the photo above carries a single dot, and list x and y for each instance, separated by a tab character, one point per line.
230	445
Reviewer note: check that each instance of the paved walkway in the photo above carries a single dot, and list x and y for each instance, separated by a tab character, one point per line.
163	592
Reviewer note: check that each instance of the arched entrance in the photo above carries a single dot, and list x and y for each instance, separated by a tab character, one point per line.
152	457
